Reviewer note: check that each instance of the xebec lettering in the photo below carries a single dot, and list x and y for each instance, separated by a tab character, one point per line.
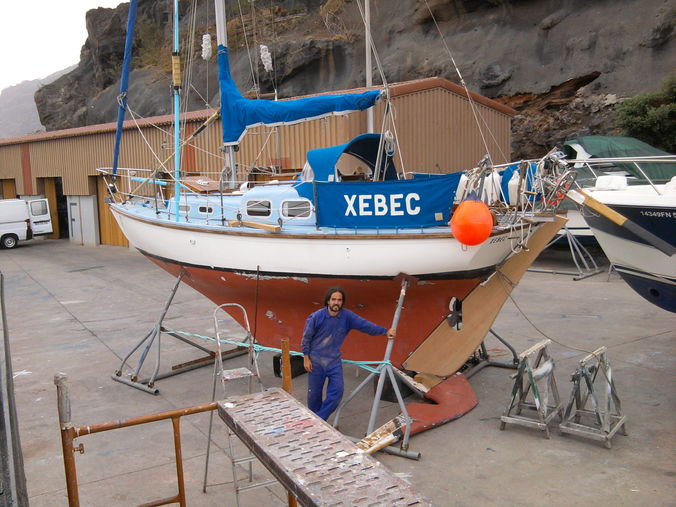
380	205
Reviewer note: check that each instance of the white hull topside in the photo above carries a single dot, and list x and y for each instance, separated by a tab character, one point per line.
372	256
641	257
625	252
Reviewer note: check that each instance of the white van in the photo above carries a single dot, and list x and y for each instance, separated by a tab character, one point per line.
21	220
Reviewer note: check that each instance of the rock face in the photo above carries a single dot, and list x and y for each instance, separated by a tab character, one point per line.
563	65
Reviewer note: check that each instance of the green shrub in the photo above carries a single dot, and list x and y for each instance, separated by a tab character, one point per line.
651	117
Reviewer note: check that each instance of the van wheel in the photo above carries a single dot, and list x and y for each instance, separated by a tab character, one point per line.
9	241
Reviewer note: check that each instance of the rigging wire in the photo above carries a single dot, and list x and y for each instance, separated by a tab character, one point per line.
248	49
462	81
504	279
274	49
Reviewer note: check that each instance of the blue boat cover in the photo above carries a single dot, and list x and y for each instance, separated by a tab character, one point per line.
239	113
124	81
365	147
397	204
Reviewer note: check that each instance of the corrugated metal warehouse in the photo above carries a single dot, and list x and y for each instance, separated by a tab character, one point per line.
435	122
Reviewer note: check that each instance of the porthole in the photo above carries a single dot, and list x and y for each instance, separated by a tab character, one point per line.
258	208
296	209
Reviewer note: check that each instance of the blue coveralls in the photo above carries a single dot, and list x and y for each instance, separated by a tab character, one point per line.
322	339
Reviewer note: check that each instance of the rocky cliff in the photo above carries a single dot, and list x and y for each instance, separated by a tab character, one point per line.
562	64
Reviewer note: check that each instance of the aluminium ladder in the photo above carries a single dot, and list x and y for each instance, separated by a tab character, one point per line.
224	376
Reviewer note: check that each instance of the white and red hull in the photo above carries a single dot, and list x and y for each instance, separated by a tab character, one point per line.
281	278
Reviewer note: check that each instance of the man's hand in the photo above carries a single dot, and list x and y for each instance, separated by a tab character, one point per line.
307	362
391	333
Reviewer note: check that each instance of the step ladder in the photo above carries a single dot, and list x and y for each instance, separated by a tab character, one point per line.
223	376
535	364
606	418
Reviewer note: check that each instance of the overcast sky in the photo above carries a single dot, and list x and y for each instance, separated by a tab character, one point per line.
40	37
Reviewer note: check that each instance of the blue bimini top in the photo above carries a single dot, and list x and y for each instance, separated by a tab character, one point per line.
324	334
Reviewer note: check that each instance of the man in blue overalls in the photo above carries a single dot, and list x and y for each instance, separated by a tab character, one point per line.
325	332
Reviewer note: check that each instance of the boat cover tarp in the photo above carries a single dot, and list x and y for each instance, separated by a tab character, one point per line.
239	113
618	147
364	147
398	204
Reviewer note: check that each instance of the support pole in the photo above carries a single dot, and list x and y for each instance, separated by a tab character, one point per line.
388	354
385	369
176	423
66	427
12	475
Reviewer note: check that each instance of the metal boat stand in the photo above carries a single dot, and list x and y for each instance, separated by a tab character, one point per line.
606	418
482	360
383	370
584	262
535	364
154	336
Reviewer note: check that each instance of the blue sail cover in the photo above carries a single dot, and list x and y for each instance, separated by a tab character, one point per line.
124	81
239	113
395	204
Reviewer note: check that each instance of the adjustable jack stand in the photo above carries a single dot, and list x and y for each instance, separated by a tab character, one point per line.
484	358
385	368
148	384
584	262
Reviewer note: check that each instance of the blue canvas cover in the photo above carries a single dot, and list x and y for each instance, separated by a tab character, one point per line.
239	113
365	147
386	205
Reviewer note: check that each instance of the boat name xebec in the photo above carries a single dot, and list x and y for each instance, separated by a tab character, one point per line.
380	205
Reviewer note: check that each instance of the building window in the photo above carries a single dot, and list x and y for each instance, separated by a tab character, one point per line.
296	209
258	208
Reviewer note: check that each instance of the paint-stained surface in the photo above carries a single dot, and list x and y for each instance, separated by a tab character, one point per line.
315	462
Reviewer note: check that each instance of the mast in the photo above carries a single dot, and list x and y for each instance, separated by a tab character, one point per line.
369	72
176	78
222	41
124	82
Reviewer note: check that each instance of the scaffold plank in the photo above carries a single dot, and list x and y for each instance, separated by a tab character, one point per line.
312	460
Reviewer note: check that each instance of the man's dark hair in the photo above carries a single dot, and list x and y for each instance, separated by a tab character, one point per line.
327	296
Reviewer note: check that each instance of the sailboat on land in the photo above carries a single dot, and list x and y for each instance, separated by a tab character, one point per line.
351	218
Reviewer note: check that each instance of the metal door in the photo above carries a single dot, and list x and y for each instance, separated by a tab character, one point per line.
75	220
41	221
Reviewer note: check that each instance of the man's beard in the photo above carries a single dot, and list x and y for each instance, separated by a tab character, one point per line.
335	308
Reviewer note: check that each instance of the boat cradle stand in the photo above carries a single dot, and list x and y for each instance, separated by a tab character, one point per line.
535	364
482	359
154	336
584	261
606	418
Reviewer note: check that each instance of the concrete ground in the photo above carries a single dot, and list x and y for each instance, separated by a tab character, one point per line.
79	310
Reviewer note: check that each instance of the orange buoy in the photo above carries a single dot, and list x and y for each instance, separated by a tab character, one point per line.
472	222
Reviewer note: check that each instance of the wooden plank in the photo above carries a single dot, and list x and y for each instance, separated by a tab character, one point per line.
446	349
255	225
